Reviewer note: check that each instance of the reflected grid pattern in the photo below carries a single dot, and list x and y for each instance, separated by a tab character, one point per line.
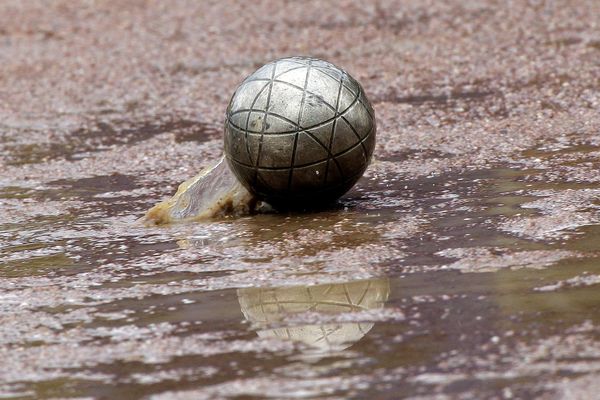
299	127
272	311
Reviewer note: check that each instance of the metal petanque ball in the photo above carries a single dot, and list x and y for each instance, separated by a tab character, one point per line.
299	132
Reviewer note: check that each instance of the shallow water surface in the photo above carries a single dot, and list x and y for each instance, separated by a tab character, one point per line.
460	284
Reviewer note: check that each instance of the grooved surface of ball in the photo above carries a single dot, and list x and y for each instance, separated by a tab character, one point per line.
299	130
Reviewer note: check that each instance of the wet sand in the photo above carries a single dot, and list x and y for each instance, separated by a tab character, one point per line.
463	265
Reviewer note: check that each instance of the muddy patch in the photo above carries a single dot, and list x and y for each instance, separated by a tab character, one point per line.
102	136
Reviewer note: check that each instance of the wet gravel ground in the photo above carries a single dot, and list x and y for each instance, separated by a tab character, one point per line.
463	265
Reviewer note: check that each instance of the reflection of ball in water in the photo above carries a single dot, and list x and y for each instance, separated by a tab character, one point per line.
299	131
264	307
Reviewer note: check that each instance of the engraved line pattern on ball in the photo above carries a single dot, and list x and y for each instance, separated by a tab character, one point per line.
295	125
318	125
342	183
305	129
300	113
298	128
308	132
304	62
304	92
333	87
344	75
264	126
270	85
326	72
334	123
330	155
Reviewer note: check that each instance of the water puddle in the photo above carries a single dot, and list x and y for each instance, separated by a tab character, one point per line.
462	284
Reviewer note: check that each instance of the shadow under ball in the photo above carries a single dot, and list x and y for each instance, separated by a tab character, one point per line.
299	132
